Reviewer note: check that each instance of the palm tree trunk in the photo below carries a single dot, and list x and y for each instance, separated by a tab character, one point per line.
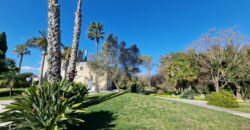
54	41
42	67
97	43
76	37
66	68
20	63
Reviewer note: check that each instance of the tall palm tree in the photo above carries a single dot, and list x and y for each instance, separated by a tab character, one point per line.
54	40
42	43
21	50
76	37
66	57
95	32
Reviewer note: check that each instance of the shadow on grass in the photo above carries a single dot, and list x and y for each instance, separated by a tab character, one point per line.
97	120
99	99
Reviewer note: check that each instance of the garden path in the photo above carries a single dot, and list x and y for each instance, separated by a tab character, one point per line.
2	105
203	104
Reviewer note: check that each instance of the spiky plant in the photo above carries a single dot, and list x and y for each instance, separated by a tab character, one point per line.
51	106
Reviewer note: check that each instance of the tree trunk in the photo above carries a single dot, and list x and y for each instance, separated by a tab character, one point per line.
54	41
238	92
216	84
97	53
66	68
42	67
76	37
117	87
20	63
97	84
11	90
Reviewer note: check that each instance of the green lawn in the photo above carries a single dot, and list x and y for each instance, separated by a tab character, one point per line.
242	108
137	112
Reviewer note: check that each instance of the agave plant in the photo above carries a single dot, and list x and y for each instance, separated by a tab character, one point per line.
51	106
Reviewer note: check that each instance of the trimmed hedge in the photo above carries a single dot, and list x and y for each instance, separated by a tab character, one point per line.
222	99
6	92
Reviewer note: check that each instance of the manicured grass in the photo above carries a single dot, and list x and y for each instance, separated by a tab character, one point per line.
242	108
137	112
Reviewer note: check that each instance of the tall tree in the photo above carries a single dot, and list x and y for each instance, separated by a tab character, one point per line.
3	45
76	38
21	50
95	32
212	53
41	43
66	57
54	40
147	62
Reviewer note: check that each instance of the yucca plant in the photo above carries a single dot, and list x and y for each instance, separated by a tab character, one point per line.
51	106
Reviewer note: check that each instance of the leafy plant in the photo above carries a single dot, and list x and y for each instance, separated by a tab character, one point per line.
188	94
222	99
51	106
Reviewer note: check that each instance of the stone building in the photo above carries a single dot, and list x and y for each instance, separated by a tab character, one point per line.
84	74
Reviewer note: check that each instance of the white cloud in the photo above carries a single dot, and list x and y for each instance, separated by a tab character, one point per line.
29	68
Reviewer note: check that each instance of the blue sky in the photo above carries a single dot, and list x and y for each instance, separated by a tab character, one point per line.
156	26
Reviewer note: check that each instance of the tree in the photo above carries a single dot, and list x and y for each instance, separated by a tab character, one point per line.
3	45
10	79
41	43
21	50
95	32
177	68
54	40
66	57
212	53
76	37
119	62
147	62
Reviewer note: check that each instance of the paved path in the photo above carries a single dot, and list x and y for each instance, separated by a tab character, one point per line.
203	104
2	105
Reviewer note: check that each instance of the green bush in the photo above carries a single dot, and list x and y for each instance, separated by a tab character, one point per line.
188	94
6	91
51	106
222	99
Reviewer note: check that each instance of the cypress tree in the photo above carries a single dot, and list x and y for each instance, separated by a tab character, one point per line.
3	45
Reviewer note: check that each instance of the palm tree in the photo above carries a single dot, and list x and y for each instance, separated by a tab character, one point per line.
96	33
54	40
66	56
21	50
76	37
42	43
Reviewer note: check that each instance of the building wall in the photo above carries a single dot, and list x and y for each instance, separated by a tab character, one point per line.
84	75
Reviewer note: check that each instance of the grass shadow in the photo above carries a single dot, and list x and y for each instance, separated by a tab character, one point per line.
94	100
97	120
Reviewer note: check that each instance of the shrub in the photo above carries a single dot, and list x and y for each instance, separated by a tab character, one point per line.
51	106
188	94
222	99
6	91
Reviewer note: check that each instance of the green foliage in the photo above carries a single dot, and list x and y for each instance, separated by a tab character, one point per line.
188	94
222	99
51	106
3	45
5	91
